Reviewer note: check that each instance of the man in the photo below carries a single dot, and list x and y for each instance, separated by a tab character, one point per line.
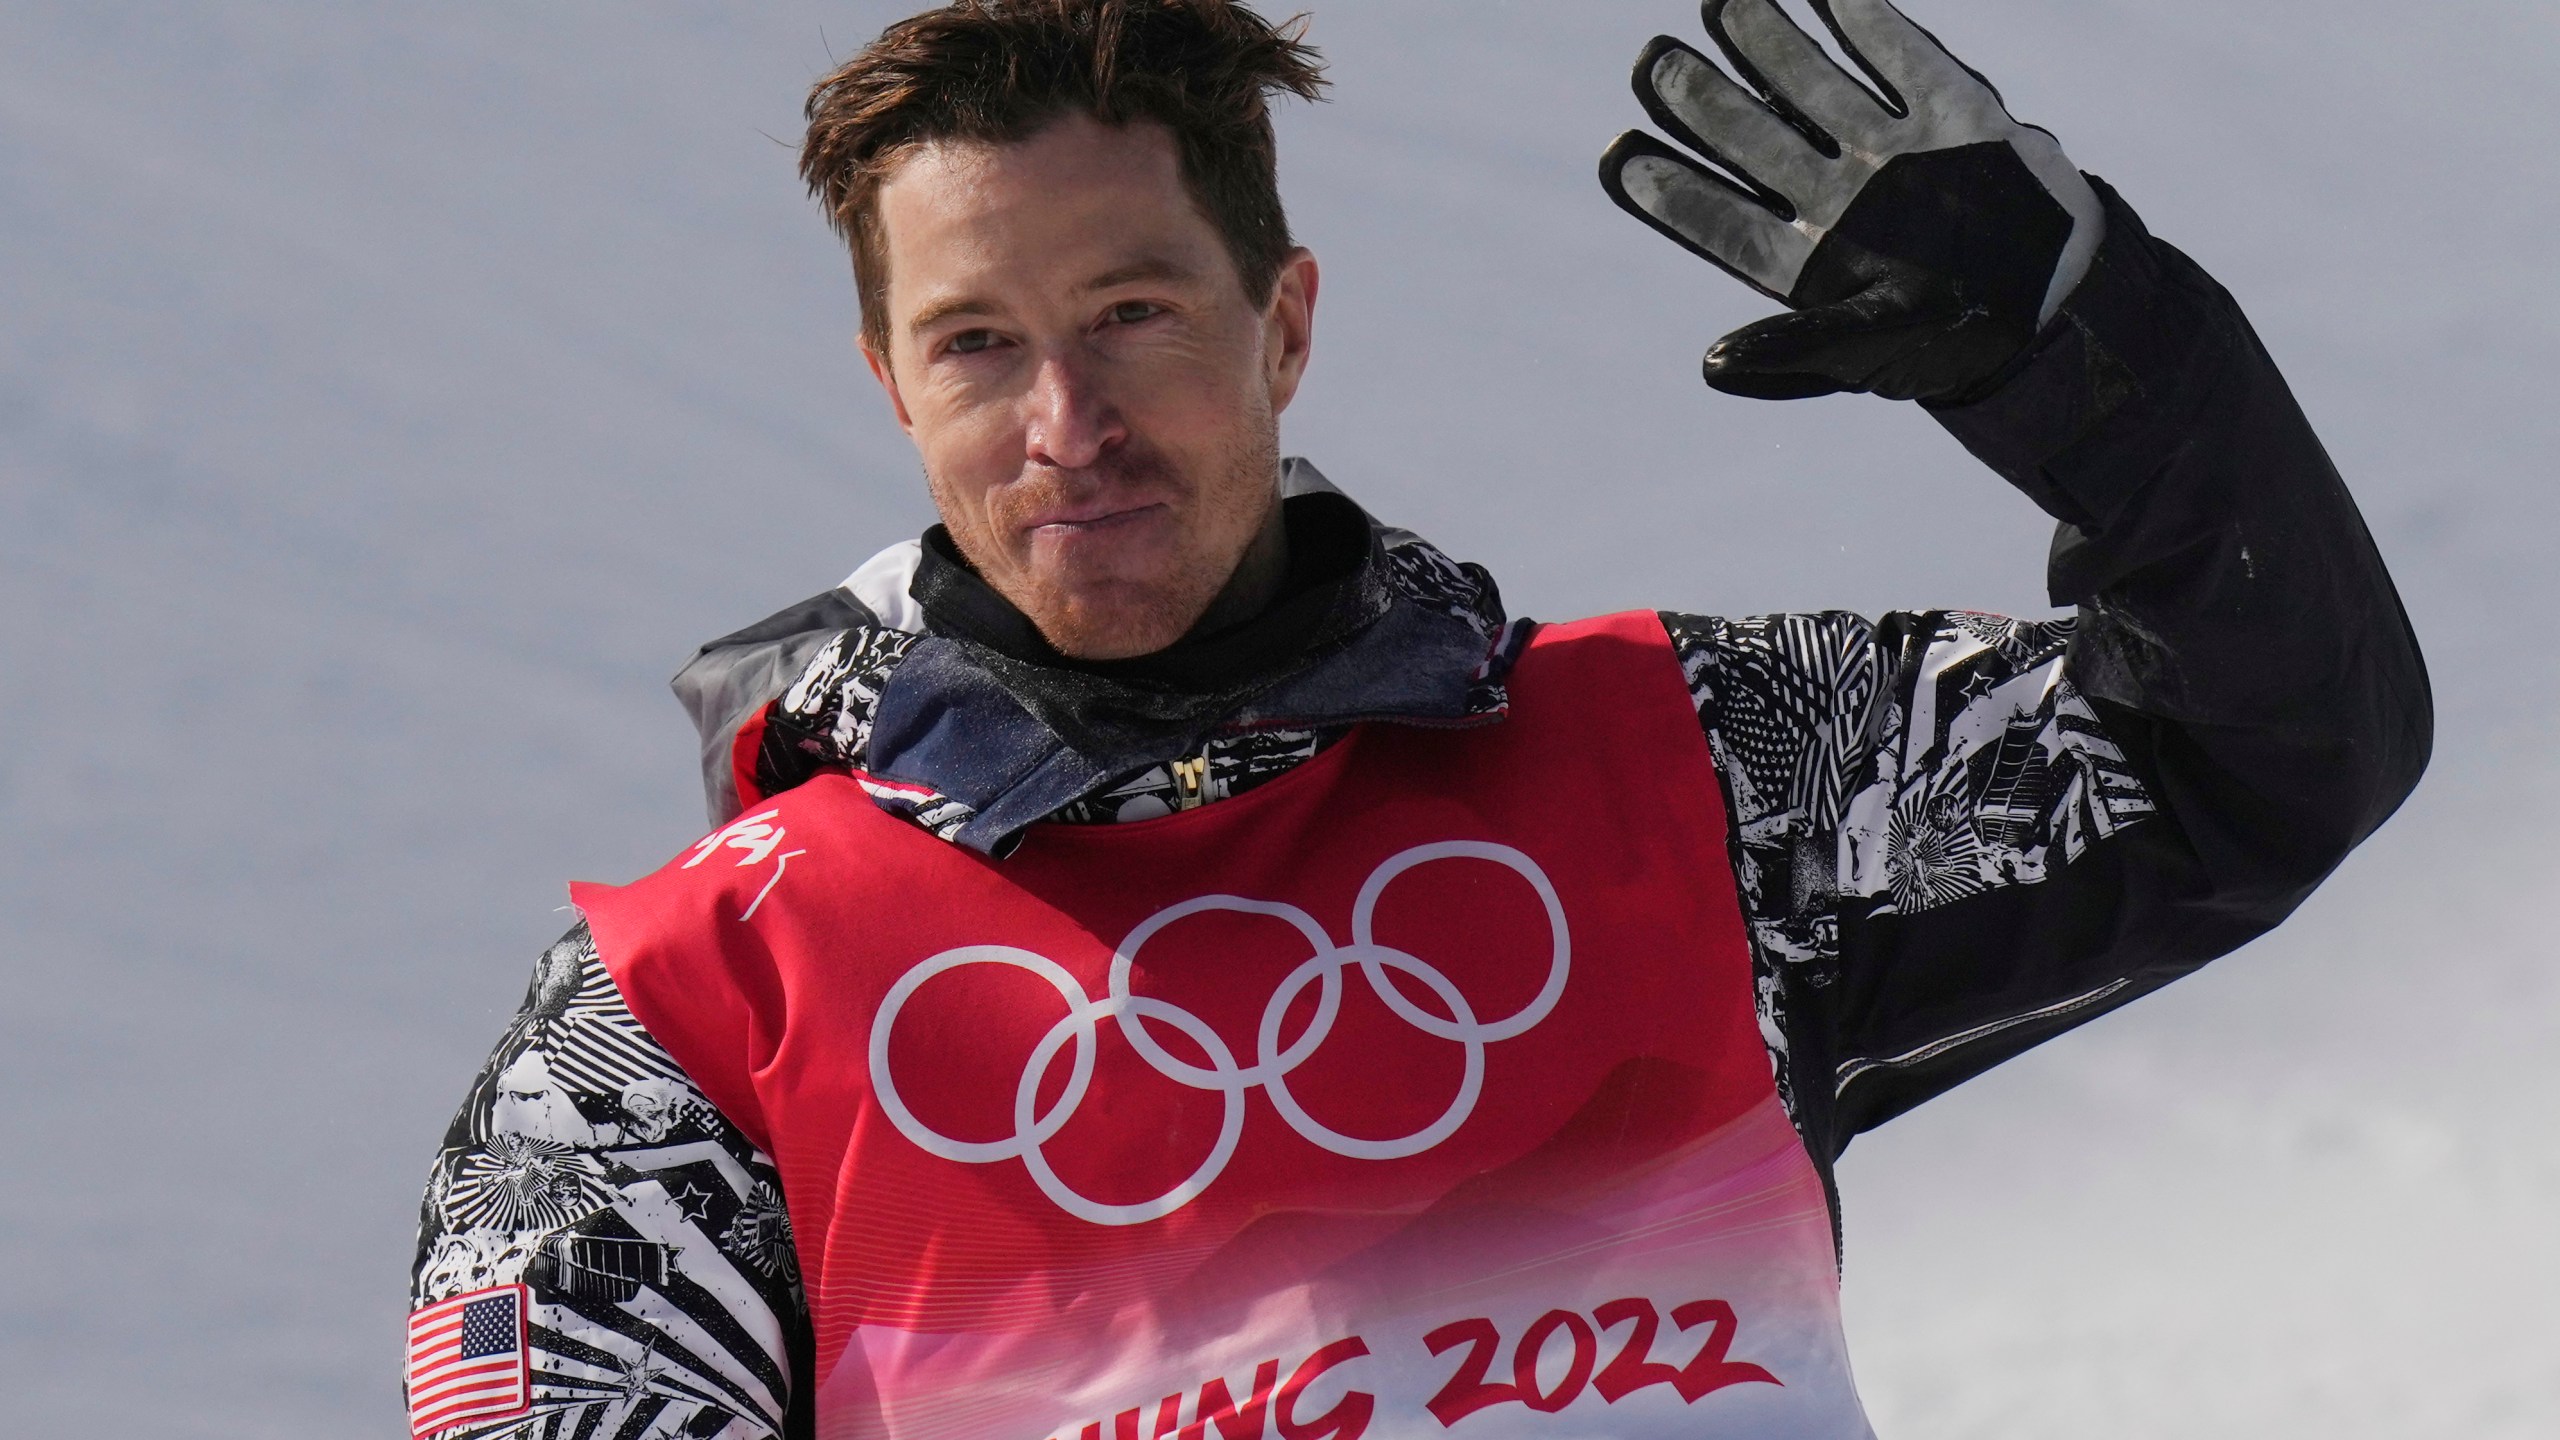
1178	959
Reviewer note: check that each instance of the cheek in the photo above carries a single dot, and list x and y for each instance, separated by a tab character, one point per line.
1199	393
968	448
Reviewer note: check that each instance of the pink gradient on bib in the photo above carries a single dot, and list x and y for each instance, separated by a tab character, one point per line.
1690	1298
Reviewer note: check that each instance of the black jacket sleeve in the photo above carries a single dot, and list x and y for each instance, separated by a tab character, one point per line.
1959	835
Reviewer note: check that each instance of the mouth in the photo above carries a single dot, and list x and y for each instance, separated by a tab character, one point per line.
1091	518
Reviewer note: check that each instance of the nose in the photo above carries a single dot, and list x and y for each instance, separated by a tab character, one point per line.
1071	422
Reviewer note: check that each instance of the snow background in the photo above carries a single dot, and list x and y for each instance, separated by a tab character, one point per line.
391	396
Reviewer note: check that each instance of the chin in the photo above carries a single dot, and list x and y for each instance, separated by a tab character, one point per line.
1121	624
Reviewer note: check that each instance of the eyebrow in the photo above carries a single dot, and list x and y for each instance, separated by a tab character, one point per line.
941	310
1151	267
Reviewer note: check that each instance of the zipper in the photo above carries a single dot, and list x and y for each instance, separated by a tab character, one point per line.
1851	1069
1191	782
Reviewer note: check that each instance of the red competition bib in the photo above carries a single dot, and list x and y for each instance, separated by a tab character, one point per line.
1417	1091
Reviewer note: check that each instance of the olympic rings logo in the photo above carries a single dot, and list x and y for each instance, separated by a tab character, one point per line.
1273	1063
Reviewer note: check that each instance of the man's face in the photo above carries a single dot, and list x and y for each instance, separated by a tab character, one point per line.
1095	396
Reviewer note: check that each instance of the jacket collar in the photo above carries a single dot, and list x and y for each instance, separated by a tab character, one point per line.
1013	736
976	729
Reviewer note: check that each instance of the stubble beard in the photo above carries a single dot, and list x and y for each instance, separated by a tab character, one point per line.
1129	617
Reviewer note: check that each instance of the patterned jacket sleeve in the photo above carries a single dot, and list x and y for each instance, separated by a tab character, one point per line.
661	1291
1959	835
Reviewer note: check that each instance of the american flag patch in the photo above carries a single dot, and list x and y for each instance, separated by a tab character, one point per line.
468	1360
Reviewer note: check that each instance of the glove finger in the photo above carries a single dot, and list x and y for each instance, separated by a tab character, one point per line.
1771	51
1905	61
1709	214
1753	385
1846	346
1714	114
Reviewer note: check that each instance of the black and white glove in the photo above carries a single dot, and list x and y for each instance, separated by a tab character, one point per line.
1921	242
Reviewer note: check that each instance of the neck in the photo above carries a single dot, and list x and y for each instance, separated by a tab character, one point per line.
1256	581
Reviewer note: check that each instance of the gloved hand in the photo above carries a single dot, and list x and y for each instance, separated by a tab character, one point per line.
1921	242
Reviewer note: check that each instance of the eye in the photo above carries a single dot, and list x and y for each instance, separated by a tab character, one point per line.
1130	312
970	342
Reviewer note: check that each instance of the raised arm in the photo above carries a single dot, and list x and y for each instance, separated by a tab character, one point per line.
2238	641
1959	834
599	1249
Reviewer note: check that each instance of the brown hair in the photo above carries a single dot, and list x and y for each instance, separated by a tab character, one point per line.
998	71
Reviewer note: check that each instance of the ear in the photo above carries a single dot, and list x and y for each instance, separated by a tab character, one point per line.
887	375
1289	327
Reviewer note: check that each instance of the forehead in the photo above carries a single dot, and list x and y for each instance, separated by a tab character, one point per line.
1075	199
